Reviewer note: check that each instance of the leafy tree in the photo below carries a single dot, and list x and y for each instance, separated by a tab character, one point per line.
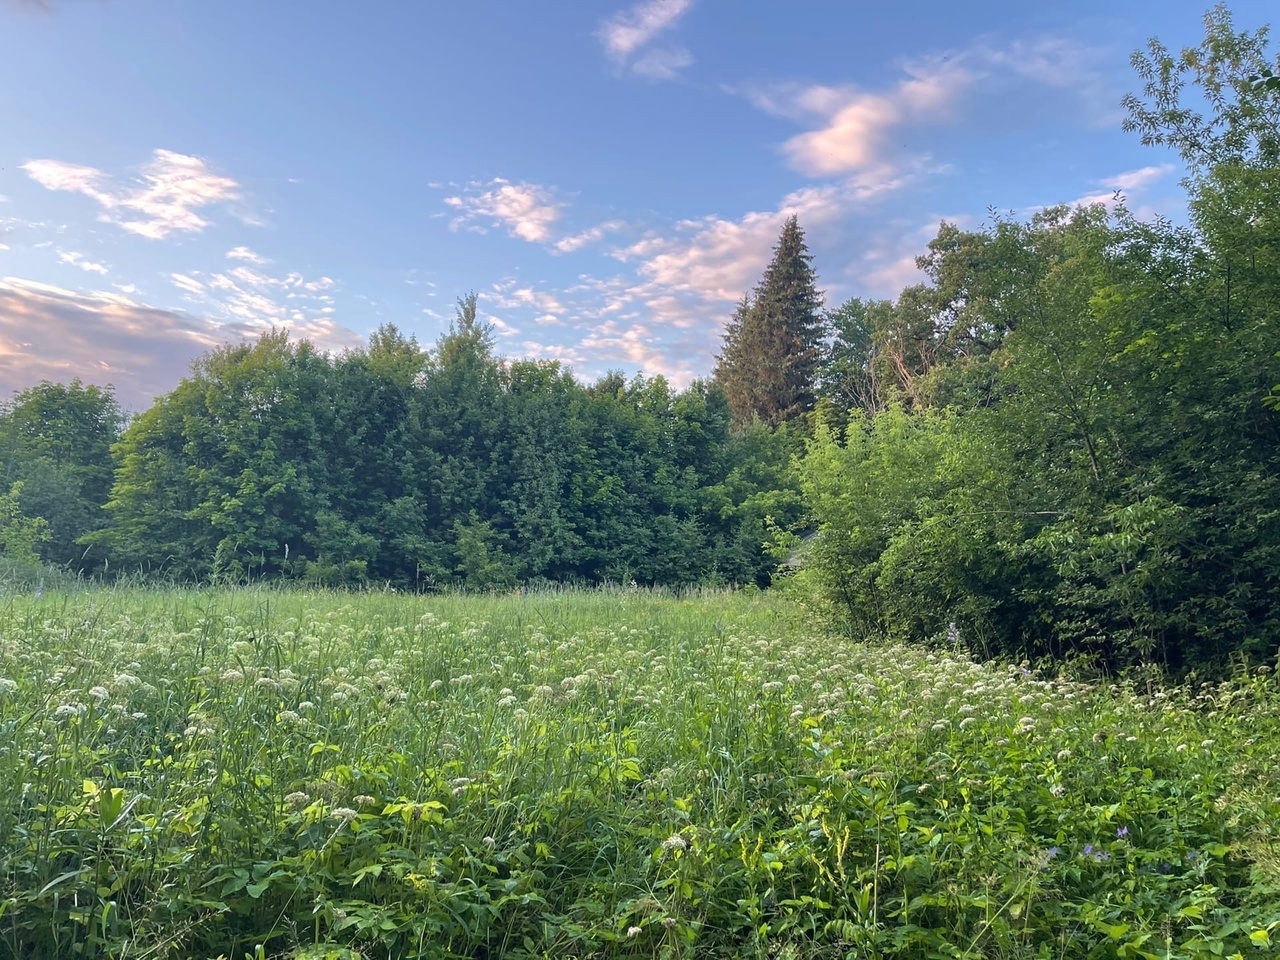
20	535
768	365
849	378
56	440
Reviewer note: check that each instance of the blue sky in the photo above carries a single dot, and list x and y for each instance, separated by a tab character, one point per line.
608	177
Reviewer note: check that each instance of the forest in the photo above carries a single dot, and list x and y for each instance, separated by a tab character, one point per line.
1064	443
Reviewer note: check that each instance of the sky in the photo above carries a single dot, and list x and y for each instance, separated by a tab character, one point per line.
608	177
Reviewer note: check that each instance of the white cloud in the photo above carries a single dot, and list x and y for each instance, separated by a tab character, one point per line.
508	296
527	210
504	329
247	255
1122	185
189	284
71	258
633	28
631	31
577	241
165	199
855	125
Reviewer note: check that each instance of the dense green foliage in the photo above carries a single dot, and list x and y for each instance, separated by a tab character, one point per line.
609	774
1062	442
55	441
423	468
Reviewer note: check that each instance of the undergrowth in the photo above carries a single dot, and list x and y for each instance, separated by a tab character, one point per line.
616	774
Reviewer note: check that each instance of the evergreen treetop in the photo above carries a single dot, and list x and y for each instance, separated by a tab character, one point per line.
772	349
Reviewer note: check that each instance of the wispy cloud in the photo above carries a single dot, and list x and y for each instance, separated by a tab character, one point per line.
526	210
577	241
508	294
166	198
627	36
1122	186
247	255
246	295
663	63
187	284
71	258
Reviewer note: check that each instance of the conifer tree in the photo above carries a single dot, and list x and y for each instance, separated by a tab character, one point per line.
773	345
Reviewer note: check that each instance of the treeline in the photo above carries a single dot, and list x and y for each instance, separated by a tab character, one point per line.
395	464
1065	442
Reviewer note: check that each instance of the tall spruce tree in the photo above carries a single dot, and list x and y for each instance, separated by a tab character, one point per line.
773	345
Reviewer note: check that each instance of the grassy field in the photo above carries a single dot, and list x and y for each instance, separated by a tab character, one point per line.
267	774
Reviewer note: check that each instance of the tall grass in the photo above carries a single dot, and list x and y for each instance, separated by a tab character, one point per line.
264	773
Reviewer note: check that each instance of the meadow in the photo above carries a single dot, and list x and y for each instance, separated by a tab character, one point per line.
272	774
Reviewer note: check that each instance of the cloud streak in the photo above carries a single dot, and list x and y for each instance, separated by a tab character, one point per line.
627	37
166	198
1122	185
71	258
